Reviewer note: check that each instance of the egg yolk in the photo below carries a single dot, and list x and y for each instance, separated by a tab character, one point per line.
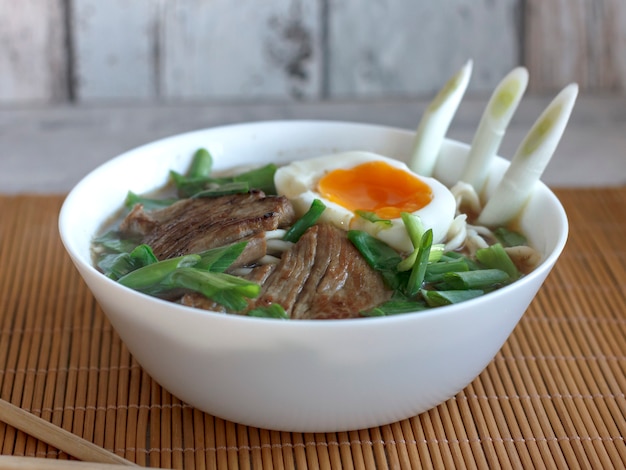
376	187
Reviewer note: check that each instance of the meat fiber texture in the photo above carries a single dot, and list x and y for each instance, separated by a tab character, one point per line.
322	276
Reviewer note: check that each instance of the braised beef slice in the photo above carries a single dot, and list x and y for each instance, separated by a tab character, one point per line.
323	276
196	225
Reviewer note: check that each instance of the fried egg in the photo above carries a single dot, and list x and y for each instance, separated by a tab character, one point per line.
364	181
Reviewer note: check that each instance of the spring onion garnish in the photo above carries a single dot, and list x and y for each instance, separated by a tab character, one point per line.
147	202
440	298
436	120
373	218
148	276
271	311
509	238
419	268
197	183
306	221
112	241
483	279
380	256
530	160
238	187
210	283
201	164
493	123
415	230
395	307
496	257
436	271
219	259
116	265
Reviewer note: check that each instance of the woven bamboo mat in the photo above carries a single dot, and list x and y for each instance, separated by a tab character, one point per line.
553	397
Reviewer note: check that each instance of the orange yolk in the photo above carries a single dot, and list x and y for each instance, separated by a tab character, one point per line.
376	187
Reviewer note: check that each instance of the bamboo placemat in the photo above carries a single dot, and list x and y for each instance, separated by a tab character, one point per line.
553	397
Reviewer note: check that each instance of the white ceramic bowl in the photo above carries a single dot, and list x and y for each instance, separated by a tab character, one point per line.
306	376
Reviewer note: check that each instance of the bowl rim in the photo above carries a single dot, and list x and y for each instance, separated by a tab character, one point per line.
64	227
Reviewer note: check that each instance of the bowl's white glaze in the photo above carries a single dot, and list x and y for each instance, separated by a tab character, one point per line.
314	376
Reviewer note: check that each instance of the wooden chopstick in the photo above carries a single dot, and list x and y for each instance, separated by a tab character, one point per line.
10	462
57	437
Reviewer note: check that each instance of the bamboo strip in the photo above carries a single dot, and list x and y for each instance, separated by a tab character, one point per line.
300	451
378	445
40	352
58	437
476	452
284	441
12	385
176	433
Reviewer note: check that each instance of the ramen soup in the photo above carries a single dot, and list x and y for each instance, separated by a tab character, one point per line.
347	235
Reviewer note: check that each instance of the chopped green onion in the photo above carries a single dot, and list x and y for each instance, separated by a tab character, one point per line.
380	256
304	222
201	164
271	311
210	283
260	178
529	161
436	271
419	268
231	300
219	259
441	298
395	307
415	230
113	241
147	203
373	217
483	279
509	238
223	190
149	276
198	182
436	120
493	123
496	257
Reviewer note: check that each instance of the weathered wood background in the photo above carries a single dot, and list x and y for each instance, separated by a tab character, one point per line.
266	50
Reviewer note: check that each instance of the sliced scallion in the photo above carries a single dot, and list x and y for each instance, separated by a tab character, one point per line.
306	221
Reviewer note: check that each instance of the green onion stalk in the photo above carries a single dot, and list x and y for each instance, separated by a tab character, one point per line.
436	120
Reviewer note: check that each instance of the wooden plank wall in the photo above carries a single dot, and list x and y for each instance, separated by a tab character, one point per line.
223	50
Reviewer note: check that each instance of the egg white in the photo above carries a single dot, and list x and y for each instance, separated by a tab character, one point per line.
298	182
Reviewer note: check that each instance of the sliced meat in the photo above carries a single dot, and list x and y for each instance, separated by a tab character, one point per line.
255	249
196	225
323	276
